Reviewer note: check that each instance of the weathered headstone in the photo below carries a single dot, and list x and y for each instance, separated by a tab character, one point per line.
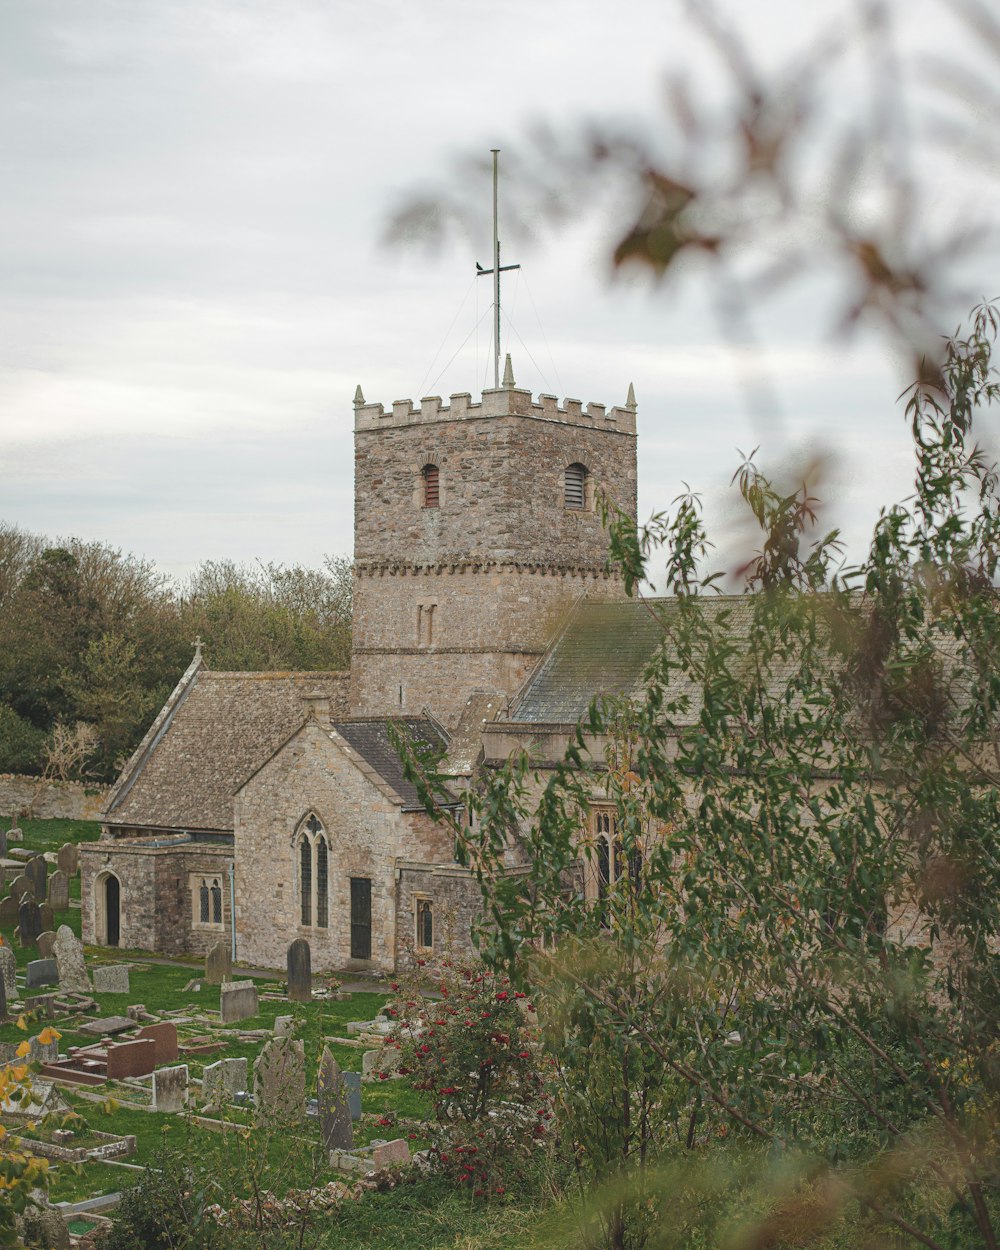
284	1025
8	910
46	942
48	917
29	920
170	1088
375	1062
136	1058
279	1079
68	859
3	842
69	956
334	1106
218	964
8	970
299	971
165	1037
221	1081
3	1000
20	885
111	979
391	1154
238	1001
352	1083
41	972
37	871
58	891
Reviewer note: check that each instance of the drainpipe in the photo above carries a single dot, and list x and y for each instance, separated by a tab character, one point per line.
232	905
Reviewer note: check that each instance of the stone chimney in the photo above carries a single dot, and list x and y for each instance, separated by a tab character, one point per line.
317	705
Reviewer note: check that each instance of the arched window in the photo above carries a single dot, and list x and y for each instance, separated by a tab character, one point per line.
432	486
203	900
305	879
425	924
576	487
216	893
314	875
322	883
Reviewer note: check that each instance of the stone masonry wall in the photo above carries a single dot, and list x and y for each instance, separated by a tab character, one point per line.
50	800
457	903
366	830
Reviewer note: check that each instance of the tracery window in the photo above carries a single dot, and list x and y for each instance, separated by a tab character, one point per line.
203	900
314	874
206	901
611	865
216	893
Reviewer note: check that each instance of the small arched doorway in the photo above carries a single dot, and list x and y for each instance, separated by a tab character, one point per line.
108	900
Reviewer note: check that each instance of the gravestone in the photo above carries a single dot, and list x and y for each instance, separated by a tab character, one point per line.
29	920
48	917
279	1079
136	1058
238	1001
334	1105
46	942
15	833
68	859
3	872
284	1025
352	1083
111	979
391	1153
3	843
107	1026
375	1062
69	956
299	972
165	1037
59	891
223	1080
218	964
8	969
3	1001
37	871
170	1088
41	972
44	1226
8	911
20	885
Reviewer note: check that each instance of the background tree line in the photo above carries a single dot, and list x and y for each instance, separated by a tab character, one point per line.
96	638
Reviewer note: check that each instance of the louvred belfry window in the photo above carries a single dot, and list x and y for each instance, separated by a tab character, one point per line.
576	487
432	486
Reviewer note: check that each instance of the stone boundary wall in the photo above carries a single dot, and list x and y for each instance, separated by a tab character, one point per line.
57	800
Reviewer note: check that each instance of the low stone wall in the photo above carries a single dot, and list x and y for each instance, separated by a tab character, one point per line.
109	1147
51	800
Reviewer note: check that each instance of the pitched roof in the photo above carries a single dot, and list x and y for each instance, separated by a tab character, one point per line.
370	739
213	732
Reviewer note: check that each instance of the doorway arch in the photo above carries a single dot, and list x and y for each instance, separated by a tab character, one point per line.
107	905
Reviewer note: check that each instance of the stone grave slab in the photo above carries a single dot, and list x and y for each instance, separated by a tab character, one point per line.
334	1105
223	1080
107	1026
219	964
170	1088
279	1079
37	871
299	961
46	944
165	1037
238	1001
391	1153
58	896
68	859
41	972
111	979
68	953
136	1058
29	920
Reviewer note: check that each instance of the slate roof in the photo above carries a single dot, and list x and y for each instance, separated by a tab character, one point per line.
605	648
213	732
370	738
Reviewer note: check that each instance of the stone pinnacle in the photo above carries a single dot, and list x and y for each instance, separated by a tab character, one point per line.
508	375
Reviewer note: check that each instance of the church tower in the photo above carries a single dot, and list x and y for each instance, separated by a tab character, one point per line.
475	530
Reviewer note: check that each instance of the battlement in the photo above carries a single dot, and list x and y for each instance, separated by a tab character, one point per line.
504	401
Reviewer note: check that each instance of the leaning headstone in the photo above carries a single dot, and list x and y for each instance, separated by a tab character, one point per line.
68	859
8	969
69	956
391	1154
352	1083
47	916
19	885
299	972
37	871
238	1001
58	891
29	920
164	1035
41	972
111	979
223	1080
218	964
279	1079
170	1088
46	942
8	911
334	1105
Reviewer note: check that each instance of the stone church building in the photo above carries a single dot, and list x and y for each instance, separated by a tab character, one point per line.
263	807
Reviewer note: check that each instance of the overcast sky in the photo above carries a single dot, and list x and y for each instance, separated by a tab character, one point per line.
194	278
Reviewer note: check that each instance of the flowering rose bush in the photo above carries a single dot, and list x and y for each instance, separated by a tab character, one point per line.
471	1042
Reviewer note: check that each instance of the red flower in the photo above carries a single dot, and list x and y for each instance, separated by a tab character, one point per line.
393	985
524	1054
501	996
